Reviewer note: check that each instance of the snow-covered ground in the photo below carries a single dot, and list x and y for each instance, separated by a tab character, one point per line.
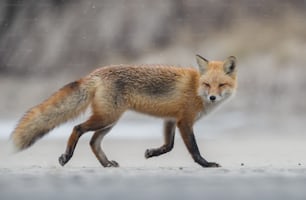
262	157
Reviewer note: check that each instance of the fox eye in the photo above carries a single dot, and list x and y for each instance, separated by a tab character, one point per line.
222	84
206	84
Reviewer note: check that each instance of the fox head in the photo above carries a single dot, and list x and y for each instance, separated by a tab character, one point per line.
218	79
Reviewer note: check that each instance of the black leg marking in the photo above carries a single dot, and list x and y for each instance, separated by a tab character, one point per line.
190	142
95	144
169	133
72	142
78	131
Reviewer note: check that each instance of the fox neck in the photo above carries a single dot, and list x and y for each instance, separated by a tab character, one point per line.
209	106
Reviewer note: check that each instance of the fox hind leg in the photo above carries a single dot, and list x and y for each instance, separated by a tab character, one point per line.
169	133
95	144
93	124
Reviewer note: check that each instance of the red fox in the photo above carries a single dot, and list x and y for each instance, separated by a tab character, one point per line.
179	95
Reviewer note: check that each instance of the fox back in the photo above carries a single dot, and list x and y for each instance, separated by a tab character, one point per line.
152	89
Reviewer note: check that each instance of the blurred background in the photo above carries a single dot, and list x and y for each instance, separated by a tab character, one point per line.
48	43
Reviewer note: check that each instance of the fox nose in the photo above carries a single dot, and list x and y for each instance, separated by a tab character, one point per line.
212	98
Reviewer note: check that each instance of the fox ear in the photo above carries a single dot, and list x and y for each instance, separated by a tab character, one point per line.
202	64
230	65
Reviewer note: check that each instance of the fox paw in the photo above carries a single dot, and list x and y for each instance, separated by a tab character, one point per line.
212	164
63	159
112	163
148	153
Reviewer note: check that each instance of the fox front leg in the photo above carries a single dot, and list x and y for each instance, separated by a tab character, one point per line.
190	142
169	132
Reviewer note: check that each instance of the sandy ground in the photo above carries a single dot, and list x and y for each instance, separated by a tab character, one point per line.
252	168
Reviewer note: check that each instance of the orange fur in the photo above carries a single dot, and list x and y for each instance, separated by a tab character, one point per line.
180	95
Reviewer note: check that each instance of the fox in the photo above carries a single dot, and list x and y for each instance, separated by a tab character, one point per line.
179	95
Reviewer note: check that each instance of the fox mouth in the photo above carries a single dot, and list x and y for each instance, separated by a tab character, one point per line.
211	101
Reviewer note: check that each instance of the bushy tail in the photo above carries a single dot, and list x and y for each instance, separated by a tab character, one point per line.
63	105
